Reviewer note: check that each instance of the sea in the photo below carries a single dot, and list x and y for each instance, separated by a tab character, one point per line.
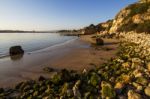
31	42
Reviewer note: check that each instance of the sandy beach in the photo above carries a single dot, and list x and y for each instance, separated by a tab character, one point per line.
75	55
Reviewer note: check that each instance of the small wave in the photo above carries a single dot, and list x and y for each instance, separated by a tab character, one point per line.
53	46
6	54
3	55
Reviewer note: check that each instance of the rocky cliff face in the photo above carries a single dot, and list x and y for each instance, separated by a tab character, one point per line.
135	17
102	27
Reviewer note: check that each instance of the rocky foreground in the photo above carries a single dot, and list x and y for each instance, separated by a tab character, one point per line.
127	76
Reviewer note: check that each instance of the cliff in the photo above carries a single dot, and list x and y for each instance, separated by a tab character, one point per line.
101	27
135	17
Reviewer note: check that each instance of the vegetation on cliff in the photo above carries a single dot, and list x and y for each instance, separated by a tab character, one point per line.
135	17
129	24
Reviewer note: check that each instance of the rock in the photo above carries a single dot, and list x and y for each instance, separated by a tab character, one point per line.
125	78
86	95
95	79
142	80
84	71
147	91
48	69
23	85
26	88
99	41
56	79
47	97
105	75
16	50
48	90
31	91
36	86
35	93
126	65
64	89
119	87
137	86
107	90
121	97
1	90
69	93
41	78
76	89
18	85
112	79
136	60
66	75
42	89
136	63
137	73
133	95
148	66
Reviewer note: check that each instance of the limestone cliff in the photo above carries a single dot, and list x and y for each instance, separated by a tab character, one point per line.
135	17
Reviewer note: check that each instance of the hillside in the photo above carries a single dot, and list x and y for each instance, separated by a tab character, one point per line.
134	17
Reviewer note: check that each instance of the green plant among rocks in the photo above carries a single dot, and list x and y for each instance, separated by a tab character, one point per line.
107	90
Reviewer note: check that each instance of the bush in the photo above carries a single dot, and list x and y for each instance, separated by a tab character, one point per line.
144	27
138	8
139	28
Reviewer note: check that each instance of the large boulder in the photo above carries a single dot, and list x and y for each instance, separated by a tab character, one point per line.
107	90
16	50
147	91
133	95
99	41
148	66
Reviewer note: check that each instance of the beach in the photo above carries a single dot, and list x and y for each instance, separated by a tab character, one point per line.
77	54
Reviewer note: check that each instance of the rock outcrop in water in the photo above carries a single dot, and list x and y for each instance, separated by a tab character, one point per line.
99	41
16	50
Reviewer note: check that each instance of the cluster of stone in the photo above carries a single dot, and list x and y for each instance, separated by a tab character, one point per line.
124	77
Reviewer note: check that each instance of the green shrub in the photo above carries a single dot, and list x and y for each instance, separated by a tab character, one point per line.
138	8
144	27
139	28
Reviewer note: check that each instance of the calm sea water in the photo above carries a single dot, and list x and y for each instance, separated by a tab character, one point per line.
31	42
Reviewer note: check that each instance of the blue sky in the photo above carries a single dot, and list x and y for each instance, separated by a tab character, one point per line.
57	14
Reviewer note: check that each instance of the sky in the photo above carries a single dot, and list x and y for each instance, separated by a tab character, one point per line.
57	14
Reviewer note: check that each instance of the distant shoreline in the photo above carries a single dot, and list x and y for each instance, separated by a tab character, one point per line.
17	31
34	31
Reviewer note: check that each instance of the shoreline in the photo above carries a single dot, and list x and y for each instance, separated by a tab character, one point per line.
76	55
6	55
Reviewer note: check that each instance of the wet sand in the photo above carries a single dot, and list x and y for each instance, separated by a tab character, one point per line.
75	55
